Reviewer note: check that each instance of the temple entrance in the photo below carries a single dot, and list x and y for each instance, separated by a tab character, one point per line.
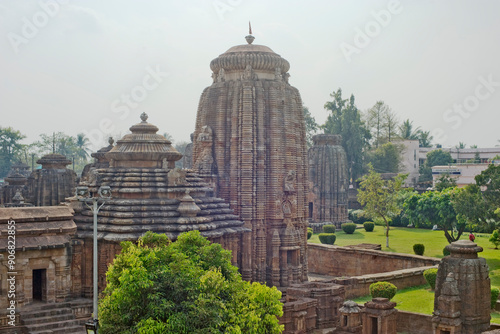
40	284
374	326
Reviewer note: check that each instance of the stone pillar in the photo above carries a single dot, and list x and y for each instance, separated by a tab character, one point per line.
350	319
379	317
462	299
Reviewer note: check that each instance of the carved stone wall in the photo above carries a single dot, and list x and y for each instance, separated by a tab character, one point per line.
250	141
328	182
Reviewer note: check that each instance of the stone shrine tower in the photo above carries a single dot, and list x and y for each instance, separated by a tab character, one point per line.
462	298
53	183
250	143
148	194
327	195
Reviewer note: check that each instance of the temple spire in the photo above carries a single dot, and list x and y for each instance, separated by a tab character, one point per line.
249	38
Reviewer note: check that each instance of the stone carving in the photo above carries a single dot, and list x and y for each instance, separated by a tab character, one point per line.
277	74
248	74
176	177
222	76
289	183
187	159
204	164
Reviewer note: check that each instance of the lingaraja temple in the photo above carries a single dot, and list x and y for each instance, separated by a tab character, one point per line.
250	142
248	183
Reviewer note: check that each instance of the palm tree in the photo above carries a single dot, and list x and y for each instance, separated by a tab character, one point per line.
81	144
424	138
406	130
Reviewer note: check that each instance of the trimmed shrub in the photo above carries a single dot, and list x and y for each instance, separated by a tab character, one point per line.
309	233
369	226
329	228
494	296
430	276
419	249
327	238
357	216
383	289
349	228
446	252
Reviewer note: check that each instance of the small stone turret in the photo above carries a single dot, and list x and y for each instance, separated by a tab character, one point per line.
462	299
53	183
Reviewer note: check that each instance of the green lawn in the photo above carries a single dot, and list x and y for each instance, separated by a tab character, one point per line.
418	299
402	239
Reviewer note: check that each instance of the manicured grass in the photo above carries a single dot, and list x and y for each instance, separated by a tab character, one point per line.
418	299
402	239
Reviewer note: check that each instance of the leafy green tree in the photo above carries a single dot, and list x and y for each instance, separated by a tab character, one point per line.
344	119
82	144
424	138
435	208
407	131
386	158
434	158
311	126
495	238
187	286
380	197
445	181
460	145
10	148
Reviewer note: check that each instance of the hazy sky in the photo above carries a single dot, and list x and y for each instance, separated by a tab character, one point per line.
93	66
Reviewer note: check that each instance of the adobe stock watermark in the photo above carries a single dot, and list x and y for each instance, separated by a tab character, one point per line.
127	102
372	29
223	6
31	26
456	114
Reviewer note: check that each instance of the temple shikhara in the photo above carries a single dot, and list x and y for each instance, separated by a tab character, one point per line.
249	183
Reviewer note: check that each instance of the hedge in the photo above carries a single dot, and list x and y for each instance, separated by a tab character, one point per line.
383	289
419	249
430	276
327	238
494	296
369	226
309	233
349	228
329	228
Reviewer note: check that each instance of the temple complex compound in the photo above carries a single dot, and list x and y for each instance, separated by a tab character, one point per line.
149	194
328	182
250	143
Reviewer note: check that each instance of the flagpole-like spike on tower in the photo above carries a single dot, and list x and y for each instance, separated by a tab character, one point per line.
249	28
249	38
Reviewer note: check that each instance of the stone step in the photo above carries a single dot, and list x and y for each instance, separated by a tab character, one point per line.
49	318
61	326
42	313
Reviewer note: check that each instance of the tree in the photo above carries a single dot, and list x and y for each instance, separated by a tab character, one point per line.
82	144
424	138
445	181
187	286
460	145
380	197
344	119
382	122
435	208
495	238
386	158
407	132
311	126
434	158
10	148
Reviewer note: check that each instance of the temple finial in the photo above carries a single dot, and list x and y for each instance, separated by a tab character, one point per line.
144	117
249	38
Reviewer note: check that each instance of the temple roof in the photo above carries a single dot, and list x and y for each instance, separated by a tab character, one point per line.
143	144
259	57
53	160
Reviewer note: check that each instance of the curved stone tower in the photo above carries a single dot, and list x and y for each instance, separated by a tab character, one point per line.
462	298
328	183
250	142
148	194
53	183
